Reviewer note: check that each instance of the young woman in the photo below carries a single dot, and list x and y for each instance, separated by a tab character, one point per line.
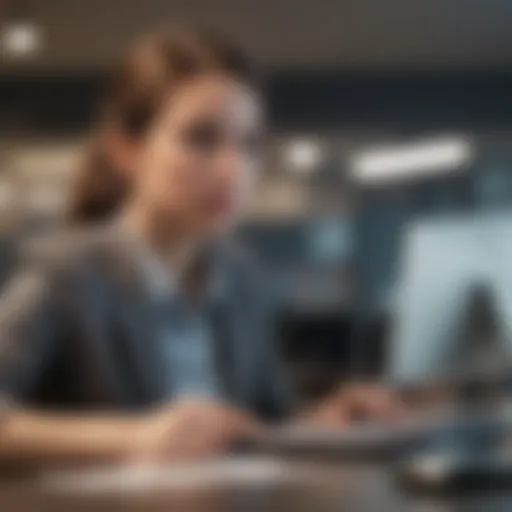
148	336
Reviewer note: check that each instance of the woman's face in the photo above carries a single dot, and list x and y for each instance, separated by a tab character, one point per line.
199	159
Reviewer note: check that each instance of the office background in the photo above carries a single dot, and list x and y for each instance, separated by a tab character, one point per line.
346	80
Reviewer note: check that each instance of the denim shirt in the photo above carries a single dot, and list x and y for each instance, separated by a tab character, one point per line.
183	329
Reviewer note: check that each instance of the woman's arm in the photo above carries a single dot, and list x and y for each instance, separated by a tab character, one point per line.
33	324
31	440
181	431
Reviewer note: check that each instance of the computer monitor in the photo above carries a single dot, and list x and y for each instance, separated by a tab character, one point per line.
444	259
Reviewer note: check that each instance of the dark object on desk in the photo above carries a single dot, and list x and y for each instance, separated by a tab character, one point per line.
456	473
467	458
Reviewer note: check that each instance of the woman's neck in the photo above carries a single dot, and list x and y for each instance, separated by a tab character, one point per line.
172	243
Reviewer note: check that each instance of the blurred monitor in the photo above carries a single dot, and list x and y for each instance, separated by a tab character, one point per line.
445	260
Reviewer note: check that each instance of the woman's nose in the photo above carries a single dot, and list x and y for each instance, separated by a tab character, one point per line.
230	162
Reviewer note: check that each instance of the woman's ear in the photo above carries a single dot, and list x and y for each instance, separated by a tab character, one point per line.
123	152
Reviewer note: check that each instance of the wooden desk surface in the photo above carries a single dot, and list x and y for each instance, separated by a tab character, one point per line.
304	486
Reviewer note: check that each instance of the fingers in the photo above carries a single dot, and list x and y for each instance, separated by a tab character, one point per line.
220	417
201	429
369	402
241	424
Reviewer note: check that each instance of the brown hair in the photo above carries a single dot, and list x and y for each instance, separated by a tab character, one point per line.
135	93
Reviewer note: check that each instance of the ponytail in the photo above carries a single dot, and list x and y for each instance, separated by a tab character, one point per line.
99	191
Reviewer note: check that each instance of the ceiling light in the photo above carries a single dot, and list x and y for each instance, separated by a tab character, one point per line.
438	156
21	39
303	155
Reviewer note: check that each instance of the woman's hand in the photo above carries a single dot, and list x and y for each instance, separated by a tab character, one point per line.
357	403
190	430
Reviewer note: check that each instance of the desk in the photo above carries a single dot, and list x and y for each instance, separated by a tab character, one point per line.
308	486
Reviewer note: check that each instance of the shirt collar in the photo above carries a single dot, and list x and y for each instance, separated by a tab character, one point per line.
161	280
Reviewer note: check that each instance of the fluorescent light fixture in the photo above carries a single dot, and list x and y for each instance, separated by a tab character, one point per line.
21	39
303	155
440	156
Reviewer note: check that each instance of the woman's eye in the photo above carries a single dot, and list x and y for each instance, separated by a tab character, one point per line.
204	136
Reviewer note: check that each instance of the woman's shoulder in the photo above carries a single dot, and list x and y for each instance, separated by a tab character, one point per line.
66	249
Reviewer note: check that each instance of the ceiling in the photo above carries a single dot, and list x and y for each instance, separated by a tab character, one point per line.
341	34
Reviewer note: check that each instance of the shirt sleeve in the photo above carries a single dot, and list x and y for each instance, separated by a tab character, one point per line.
30	327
